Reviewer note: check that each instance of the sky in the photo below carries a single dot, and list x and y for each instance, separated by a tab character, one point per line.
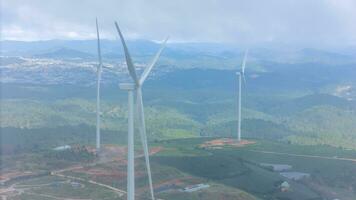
250	22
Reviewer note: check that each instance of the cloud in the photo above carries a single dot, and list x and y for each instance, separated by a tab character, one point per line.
298	22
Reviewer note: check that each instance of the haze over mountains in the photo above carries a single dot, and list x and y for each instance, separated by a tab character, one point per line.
145	47
81	55
294	94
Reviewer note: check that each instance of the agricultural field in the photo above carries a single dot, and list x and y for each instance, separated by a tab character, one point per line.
240	167
227	169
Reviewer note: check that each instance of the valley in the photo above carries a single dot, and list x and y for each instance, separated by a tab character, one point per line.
298	126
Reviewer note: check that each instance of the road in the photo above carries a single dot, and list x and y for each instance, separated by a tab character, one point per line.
303	155
120	192
53	197
58	173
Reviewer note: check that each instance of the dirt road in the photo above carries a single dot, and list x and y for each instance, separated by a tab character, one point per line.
59	173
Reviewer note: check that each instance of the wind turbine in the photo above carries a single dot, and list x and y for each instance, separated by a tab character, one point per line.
98	78
132	88
241	75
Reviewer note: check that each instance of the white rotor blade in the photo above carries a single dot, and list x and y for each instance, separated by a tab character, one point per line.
244	62
152	63
129	62
99	48
98	90
244	66
243	77
142	129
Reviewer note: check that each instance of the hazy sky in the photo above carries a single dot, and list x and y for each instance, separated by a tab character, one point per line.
296	22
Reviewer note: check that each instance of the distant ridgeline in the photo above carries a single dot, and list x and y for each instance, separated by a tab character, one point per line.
306	97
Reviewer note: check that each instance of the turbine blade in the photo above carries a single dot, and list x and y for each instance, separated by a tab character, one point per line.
98	90
148	69
244	62
243	77
129	62
142	129
99	48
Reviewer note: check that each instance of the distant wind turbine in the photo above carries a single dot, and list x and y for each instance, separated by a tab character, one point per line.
136	88
241	75
98	79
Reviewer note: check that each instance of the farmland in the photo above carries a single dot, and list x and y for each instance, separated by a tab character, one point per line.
232	172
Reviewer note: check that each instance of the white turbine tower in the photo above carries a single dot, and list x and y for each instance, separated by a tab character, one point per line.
98	79
241	75
132	88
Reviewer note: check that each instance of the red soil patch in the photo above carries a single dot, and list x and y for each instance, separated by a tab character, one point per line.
114	153
119	153
11	175
177	181
155	150
103	173
117	156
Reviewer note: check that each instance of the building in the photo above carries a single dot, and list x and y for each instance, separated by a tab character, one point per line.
285	186
197	187
62	148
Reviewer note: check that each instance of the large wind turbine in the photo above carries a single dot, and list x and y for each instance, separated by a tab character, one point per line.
132	88
241	75
98	78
